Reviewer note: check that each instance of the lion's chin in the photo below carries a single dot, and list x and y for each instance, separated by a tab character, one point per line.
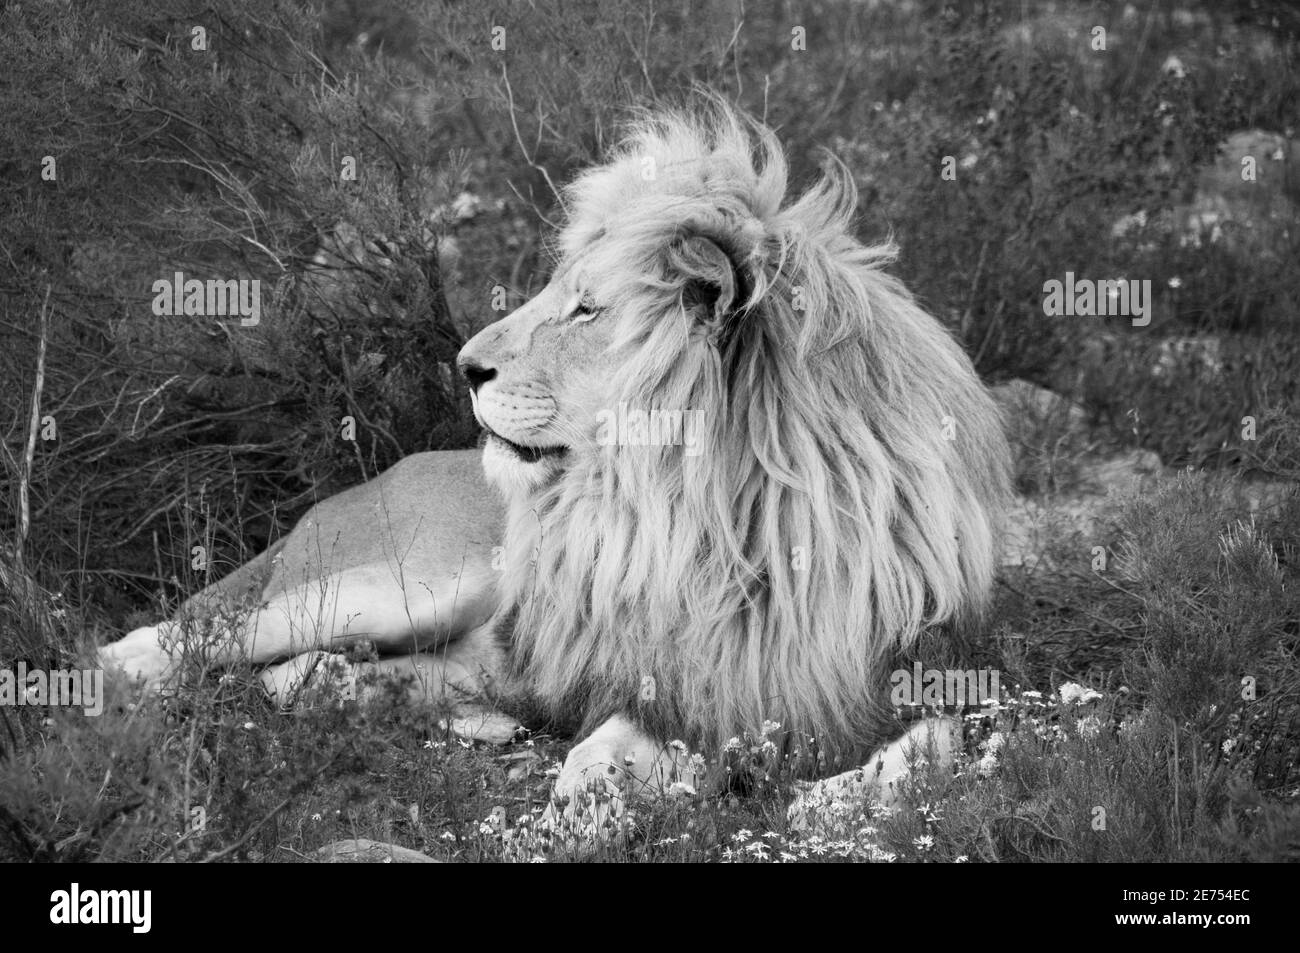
515	473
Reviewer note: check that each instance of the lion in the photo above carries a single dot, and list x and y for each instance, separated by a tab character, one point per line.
730	471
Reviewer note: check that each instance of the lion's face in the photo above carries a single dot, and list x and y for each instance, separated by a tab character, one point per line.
538	378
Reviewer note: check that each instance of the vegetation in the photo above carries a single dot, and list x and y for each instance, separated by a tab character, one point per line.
132	437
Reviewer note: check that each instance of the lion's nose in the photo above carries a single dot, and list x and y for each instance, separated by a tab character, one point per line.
473	371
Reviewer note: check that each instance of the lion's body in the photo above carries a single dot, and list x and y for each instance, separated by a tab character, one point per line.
834	496
403	561
430	514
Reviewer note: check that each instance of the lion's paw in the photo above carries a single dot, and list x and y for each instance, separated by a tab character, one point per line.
142	656
475	723
587	807
831	803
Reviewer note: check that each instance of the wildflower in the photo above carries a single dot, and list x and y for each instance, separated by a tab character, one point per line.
678	746
769	727
742	835
924	842
680	789
787	857
1073	693
733	746
248	726
1088	727
316	818
991	746
961	859
1175	282
1229	744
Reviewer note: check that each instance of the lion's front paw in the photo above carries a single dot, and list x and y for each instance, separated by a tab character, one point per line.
588	805
142	656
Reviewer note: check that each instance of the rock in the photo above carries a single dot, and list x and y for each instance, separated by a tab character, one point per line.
1027	408
363	851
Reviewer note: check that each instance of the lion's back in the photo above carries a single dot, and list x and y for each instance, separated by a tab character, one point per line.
430	513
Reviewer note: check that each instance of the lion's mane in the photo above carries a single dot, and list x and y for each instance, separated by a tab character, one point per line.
852	469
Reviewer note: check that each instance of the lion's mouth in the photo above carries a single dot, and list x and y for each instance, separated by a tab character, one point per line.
525	453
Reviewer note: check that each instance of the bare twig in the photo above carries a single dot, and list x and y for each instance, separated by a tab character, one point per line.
33	425
514	124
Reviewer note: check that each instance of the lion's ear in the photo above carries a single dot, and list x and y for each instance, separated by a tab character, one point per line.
710	282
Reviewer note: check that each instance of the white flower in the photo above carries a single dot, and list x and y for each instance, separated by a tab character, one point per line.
1088	727
248	726
1072	693
680	789
769	727
315	817
961	859
1175	282
924	842
1229	744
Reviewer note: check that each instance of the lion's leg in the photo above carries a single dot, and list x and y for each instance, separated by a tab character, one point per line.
462	675
615	764
932	741
364	603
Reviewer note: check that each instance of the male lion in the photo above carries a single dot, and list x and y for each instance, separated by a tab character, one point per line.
741	471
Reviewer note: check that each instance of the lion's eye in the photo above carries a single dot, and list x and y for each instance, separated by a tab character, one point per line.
582	307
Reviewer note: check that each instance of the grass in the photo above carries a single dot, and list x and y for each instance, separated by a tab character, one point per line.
1177	604
1185	749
